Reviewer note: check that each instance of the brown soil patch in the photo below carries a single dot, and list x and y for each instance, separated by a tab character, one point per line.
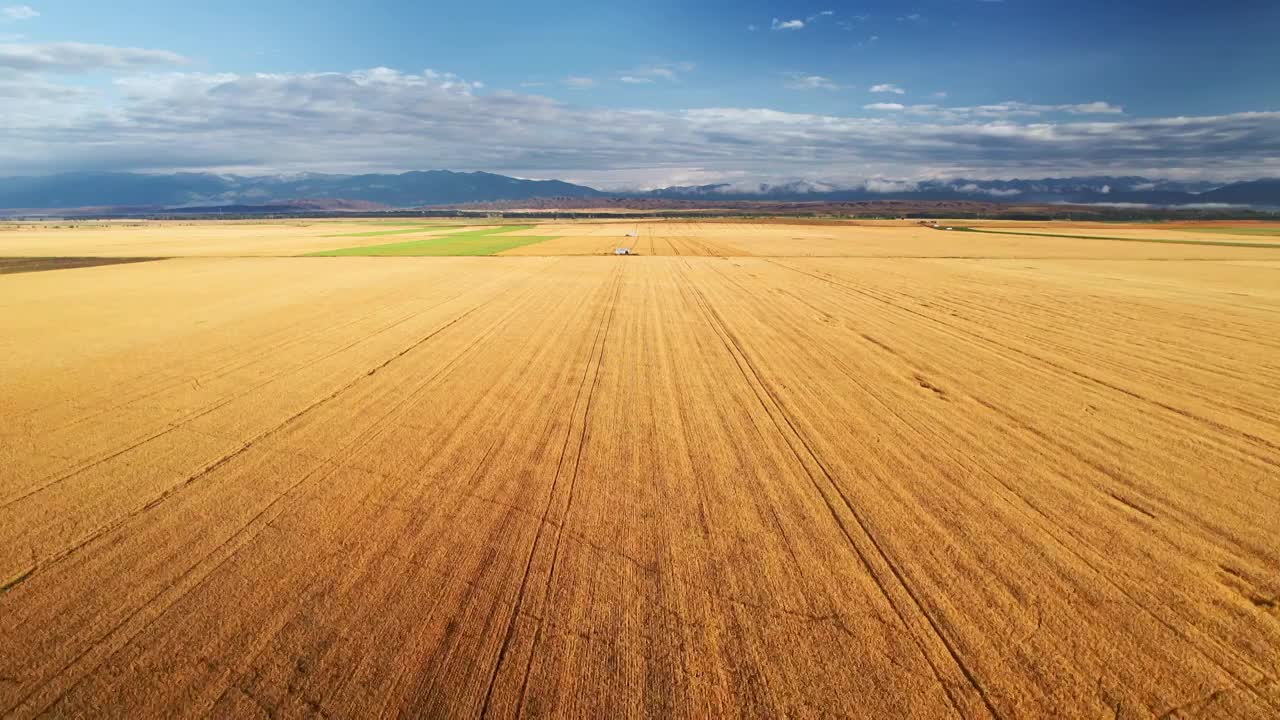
14	265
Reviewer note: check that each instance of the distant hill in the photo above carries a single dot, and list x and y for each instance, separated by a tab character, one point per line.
411	189
204	192
1257	192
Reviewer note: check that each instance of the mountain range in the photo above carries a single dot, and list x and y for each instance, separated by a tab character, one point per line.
445	188
411	189
1073	190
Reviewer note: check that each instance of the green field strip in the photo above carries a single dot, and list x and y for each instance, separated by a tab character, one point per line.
488	241
399	231
488	246
1170	241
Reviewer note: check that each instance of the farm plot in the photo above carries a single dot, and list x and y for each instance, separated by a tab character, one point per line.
484	241
1263	232
641	238
411	230
901	240
1219	239
648	486
195	238
9	266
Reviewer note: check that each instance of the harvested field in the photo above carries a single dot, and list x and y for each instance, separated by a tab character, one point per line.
900	240
1037	479
1253	237
204	238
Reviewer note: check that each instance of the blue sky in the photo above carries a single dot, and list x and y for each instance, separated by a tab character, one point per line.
642	94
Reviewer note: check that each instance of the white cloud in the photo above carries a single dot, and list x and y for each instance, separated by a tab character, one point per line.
884	106
941	95
882	185
1012	109
30	87
71	57
14	13
667	71
580	83
888	88
802	81
993	192
913	17
383	120
1093	108
787	24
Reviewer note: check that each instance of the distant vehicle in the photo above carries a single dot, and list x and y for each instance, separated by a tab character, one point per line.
622	251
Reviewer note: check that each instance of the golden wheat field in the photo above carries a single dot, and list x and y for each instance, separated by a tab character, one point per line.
756	470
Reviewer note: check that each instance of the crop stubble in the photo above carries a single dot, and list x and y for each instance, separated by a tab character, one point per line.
644	486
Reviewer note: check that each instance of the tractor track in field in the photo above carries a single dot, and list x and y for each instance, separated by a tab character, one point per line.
573	478
1073	544
169	492
982	339
323	470
596	357
229	367
774	410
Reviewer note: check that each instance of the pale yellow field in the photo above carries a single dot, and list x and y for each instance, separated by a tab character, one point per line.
1040	480
1149	232
201	238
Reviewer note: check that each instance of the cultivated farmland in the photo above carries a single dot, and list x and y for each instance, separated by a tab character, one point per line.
761	469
